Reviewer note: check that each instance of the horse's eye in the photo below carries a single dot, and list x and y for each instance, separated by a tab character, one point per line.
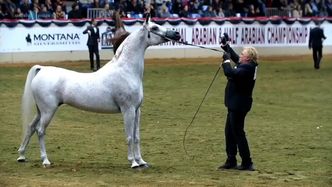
154	28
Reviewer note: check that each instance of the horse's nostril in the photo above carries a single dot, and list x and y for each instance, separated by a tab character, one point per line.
177	35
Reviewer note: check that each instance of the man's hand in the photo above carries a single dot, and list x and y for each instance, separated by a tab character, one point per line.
226	59
226	56
224	40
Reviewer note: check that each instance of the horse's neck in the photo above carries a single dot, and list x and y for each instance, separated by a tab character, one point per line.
131	52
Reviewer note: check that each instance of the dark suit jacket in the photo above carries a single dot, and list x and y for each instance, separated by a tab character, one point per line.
240	85
93	37
315	37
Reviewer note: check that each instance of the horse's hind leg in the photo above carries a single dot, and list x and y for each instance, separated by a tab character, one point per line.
129	117
41	128
30	130
137	150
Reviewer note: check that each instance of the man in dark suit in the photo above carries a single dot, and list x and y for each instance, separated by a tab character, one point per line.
316	38
238	100
93	40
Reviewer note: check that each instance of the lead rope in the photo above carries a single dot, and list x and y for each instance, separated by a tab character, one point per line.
199	107
207	91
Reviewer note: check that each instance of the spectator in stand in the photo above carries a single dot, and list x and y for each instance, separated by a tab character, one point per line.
75	12
314	7
209	12
10	7
108	11
59	13
240	8
33	14
261	6
96	4
220	12
62	4
19	15
176	6
308	10
134	8
157	6
195	7
49	6
185	12
164	12
111	4
252	11
229	11
329	7
280	4
25	6
320	7
149	8
216	4
3	10
296	9
2	14
44	13
268	3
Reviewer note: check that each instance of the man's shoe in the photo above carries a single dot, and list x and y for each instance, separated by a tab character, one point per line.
228	165
249	167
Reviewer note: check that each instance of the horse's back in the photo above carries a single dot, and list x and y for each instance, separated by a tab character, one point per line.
87	91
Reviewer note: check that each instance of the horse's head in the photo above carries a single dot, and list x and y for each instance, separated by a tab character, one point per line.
157	34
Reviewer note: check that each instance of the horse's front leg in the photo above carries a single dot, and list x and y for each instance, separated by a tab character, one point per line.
29	131
129	118
137	139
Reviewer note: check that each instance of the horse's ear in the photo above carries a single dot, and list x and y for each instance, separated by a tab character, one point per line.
147	19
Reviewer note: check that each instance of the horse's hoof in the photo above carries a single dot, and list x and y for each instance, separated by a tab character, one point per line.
46	165
134	166
21	159
143	166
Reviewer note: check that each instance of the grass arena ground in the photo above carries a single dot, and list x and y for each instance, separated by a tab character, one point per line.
289	130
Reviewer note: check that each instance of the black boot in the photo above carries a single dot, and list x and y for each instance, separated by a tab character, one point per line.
229	164
248	166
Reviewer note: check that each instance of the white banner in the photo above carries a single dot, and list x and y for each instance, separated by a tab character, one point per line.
52	38
71	38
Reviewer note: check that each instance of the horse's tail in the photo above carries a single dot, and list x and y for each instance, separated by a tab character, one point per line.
27	99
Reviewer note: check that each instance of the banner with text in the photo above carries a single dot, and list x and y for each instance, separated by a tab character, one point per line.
71	38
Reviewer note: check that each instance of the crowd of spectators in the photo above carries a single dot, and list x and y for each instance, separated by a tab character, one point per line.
62	9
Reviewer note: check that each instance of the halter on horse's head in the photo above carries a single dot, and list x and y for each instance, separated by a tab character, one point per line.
158	31
150	34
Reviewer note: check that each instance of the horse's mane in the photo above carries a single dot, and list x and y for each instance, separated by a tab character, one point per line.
118	21
120	33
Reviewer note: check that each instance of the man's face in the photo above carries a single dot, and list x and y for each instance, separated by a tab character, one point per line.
244	57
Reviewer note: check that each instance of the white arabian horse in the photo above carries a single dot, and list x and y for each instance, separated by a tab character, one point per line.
115	88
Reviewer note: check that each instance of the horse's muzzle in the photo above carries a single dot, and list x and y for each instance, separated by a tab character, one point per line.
174	35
